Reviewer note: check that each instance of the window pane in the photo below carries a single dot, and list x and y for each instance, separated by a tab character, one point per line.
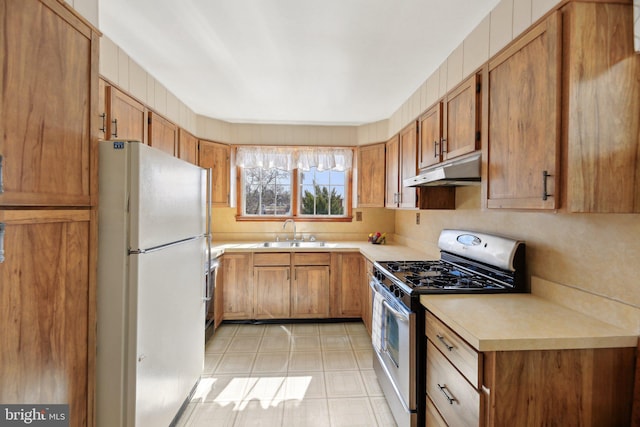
267	192
322	193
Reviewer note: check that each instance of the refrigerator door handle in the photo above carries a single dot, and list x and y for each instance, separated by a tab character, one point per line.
161	247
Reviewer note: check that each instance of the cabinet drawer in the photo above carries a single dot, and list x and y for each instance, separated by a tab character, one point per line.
312	258
432	416
465	358
272	258
456	400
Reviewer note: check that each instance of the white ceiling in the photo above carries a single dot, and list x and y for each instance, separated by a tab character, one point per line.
339	62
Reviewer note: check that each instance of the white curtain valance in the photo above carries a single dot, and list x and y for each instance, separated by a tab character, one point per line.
289	158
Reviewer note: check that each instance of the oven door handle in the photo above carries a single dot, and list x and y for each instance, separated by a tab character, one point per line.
398	315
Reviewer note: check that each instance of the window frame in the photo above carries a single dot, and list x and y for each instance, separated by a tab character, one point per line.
295	197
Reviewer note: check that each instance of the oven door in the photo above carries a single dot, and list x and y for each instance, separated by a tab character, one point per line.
395	351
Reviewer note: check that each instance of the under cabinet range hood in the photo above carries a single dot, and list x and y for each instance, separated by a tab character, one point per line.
457	172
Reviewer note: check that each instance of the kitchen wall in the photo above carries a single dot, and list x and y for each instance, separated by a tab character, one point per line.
86	8
596	253
226	228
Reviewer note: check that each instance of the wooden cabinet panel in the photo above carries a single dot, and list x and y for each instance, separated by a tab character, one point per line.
310	292
601	109
346	284
102	109
367	292
430	129
524	121
126	117
48	73
561	387
187	147
311	258
462	119
455	398
272	292
371	176
162	134
401	162
271	258
408	164
432	416
216	156
237	275
46	307
392	171
218	294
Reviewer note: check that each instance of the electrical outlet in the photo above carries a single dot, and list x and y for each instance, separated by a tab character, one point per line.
418	218
358	216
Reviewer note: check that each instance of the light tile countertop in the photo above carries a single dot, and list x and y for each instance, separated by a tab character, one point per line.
489	322
386	252
523	322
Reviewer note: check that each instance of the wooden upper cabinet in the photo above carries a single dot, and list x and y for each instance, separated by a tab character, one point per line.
430	129
163	134
408	165
371	175
392	171
601	164
216	157
461	119
126	117
187	147
524	121
102	109
401	162
564	102
49	72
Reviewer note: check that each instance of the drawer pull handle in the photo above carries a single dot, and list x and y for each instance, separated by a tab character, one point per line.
446	344
443	389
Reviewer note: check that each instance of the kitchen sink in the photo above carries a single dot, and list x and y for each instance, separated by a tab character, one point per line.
316	244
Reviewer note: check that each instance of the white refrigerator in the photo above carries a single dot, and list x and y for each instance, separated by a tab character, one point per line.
151	292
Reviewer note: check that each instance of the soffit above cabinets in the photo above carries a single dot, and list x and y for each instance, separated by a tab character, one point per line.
337	62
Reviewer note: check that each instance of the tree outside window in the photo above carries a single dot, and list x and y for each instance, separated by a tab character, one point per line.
322	193
267	192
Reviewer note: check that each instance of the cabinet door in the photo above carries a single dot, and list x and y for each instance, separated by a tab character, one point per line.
126	117
45	299
48	77
392	171
408	165
346	286
238	286
429	152
600	156
524	121
102	109
218	295
462	119
216	156
271	292
367	292
187	147
310	292
162	134
371	189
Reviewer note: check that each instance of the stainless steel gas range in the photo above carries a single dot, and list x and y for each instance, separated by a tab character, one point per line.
470	262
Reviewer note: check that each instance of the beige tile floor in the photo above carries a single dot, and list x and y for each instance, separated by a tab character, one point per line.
289	375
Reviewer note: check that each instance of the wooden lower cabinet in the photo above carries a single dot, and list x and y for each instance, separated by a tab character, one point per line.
310	285
237	273
570	387
46	317
346	284
367	292
271	292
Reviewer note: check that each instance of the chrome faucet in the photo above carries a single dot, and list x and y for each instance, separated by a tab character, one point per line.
294	227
